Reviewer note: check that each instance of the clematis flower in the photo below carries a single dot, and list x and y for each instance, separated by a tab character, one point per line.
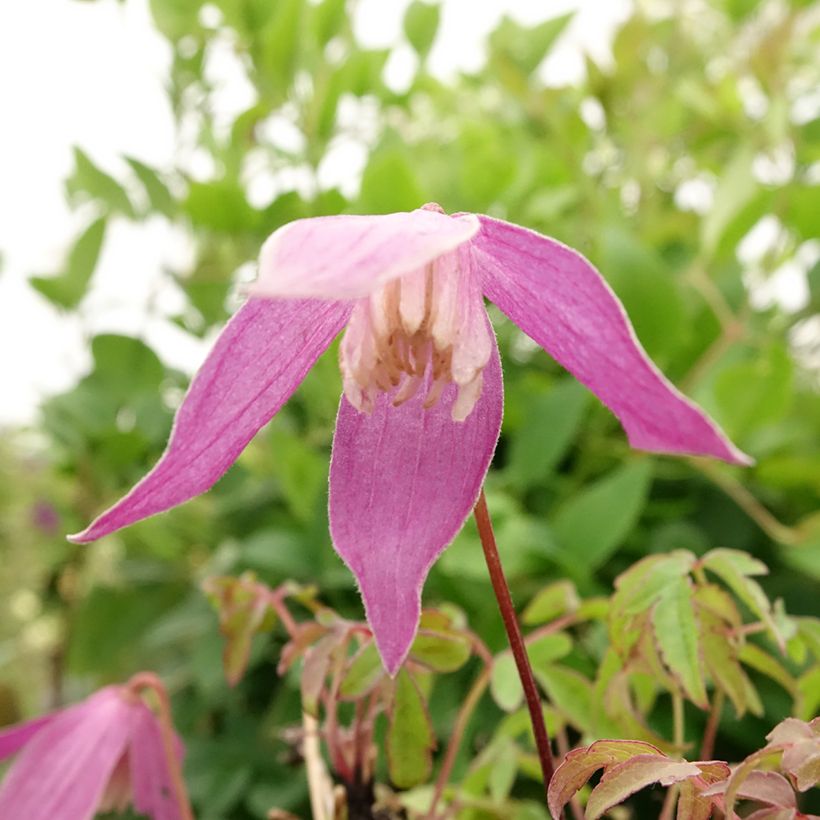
422	404
97	756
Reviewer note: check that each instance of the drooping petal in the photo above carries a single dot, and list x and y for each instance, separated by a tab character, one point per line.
558	299
150	778
13	738
64	770
257	362
348	257
402	481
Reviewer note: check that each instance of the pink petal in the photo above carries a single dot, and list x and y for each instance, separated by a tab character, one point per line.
150	779
13	738
347	257
63	771
558	299
402	481
257	362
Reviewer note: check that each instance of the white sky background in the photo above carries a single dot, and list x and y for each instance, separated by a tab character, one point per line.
92	74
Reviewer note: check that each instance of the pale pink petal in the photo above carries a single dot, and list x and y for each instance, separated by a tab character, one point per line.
150	779
347	257
63	771
258	361
13	738
558	299
402	481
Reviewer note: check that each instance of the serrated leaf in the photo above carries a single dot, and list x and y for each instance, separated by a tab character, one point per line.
410	739
720	659
68	289
421	21
596	520
719	603
676	633
363	674
580	764
752	655
734	568
643	583
440	651
624	779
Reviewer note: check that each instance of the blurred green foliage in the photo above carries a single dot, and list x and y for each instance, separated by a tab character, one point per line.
656	167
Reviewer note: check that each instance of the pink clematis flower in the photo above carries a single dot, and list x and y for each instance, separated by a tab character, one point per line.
99	755
422	404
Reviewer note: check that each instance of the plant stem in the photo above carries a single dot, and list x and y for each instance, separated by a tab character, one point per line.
519	651
463	718
710	732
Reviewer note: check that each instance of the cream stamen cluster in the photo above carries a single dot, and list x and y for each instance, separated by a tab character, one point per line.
430	321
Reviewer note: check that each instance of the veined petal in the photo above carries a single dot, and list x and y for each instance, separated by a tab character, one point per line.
558	299
150	779
258	361
402	481
348	257
13	738
63	771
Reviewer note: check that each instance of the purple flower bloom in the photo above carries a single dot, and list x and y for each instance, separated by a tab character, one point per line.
99	755
422	405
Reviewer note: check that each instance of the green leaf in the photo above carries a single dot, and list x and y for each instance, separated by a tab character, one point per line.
219	206
756	393
328	17
421	21
734	567
176	18
554	600
159	197
410	739
592	525
755	657
569	692
527	46
389	183
505	685
676	633
550	426
364	672
736	187
645	581
281	46
440	651
89	181
68	289
720	660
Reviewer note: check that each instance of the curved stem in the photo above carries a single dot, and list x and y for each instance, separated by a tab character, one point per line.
148	680
519	651
463	718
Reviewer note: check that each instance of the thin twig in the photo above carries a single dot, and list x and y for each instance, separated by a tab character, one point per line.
707	748
519	650
320	787
459	727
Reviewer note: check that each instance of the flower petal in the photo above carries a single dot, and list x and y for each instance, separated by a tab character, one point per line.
63	771
347	257
258	361
13	738
402	481
558	299
150	779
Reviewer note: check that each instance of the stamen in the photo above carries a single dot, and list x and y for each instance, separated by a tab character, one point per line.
429	325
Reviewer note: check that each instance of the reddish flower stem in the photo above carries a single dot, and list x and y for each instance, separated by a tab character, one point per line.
519	651
148	680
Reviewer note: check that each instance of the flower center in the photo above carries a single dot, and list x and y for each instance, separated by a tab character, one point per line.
424	330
